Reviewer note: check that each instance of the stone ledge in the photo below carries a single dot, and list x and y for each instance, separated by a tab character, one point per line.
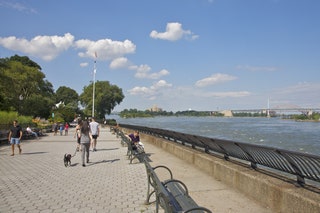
279	195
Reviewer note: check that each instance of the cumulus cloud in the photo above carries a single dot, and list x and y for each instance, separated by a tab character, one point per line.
49	47
173	32
45	47
257	68
119	63
160	84
152	92
143	71
214	79
106	49
156	75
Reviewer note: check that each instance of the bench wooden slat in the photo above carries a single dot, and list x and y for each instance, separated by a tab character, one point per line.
172	195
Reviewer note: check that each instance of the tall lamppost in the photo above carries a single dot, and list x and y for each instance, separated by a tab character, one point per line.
94	81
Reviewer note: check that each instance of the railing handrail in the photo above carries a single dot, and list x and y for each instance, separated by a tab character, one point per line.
302	165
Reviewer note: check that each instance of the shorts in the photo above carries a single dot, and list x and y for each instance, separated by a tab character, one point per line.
94	136
14	141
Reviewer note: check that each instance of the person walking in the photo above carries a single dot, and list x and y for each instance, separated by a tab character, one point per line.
15	135
55	128
66	128
85	138
61	126
78	135
95	130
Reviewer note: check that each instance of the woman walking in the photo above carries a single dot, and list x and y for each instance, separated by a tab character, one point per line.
85	138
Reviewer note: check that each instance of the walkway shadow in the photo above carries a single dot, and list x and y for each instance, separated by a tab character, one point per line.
33	153
103	161
94	163
107	149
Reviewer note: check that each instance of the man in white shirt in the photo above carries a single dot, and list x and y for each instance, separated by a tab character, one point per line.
95	131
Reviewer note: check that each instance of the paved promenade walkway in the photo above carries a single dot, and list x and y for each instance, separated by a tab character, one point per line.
38	181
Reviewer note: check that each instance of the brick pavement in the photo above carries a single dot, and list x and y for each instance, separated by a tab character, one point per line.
38	181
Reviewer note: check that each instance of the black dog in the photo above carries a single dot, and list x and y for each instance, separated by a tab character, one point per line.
67	160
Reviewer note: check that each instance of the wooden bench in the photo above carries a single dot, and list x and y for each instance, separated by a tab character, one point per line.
123	138
172	195
131	152
27	135
4	136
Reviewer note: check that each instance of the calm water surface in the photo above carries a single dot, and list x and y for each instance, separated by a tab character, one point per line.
274	132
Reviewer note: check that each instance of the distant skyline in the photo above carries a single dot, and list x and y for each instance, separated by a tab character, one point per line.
202	55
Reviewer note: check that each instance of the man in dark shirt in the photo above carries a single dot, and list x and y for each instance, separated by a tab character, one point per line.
15	135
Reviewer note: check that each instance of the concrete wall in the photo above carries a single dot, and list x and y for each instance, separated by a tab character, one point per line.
279	195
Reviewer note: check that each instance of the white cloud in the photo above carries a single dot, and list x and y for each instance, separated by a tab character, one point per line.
45	47
106	49
144	73
234	94
257	68
140	91
17	6
84	64
49	47
119	63
160	84
152	92
141	68
214	79
173	32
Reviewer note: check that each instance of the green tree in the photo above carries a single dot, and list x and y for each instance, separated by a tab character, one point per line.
24	88
65	113
107	96
68	96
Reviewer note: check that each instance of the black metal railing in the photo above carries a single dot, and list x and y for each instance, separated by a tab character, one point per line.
303	166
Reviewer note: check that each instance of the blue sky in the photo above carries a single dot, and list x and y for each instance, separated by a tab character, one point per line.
176	54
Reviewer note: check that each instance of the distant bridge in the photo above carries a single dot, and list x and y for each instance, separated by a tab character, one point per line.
278	110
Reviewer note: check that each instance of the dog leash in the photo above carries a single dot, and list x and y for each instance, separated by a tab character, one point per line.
75	152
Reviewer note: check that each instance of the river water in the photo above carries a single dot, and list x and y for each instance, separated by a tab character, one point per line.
274	132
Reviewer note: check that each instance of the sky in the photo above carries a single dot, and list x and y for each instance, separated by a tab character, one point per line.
174	54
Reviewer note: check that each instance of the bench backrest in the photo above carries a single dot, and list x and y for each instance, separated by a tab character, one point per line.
164	198
126	140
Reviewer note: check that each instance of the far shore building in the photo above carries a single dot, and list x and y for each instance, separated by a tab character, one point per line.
227	113
155	108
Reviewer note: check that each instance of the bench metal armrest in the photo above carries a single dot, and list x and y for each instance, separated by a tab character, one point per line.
164	167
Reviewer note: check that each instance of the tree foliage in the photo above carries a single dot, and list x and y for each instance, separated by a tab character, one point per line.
107	96
68	96
68	109
24	88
